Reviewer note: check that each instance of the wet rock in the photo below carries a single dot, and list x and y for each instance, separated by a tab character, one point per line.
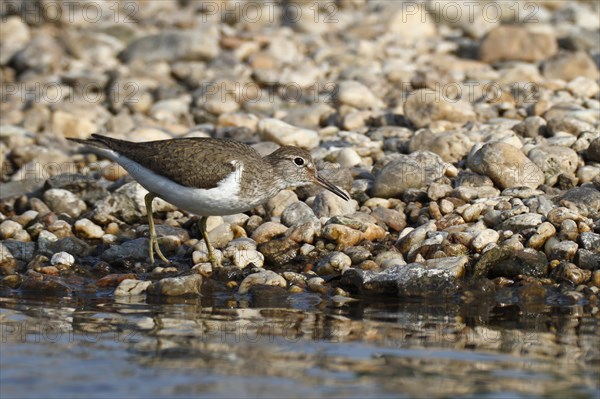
8	266
62	258
513	42
561	250
589	260
268	296
408	171
279	251
130	250
438	277
570	65
173	45
264	277
113	280
284	134
190	285
333	263
19	250
41	284
504	261
62	201
132	287
71	245
571	273
318	285
425	106
506	165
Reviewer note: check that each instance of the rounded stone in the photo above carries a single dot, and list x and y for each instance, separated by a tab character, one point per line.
506	165
62	258
88	229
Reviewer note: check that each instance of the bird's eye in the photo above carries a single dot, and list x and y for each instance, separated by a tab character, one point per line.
299	161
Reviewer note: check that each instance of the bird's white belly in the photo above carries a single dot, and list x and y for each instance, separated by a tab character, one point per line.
218	201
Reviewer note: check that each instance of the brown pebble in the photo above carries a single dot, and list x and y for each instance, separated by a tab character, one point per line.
112	228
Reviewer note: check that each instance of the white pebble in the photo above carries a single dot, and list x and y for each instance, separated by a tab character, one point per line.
62	258
88	229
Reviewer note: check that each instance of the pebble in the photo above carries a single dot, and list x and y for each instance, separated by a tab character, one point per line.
422	107
285	134
297	213
264	277
553	161
131	287
243	258
190	285
516	43
408	171
64	202
173	45
357	95
276	205
327	204
484	238
344	236
267	231
334	263
88	229
62	258
9	228
568	66
506	165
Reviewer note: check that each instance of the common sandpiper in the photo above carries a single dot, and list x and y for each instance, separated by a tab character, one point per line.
207	176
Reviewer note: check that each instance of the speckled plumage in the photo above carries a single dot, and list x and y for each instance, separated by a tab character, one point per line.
204	163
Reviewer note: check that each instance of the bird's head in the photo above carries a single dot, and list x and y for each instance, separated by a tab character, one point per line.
296	168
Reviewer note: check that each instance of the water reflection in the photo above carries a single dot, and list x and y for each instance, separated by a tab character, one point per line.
312	348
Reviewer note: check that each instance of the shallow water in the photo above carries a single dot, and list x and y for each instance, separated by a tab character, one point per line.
307	347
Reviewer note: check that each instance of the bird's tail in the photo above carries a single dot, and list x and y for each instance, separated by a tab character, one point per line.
100	145
94	141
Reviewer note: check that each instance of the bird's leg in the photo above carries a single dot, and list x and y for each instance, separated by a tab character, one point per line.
211	255
153	239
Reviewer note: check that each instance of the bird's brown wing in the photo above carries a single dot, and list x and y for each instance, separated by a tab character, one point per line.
190	162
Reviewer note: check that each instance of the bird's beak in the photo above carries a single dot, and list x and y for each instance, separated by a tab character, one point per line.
331	187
